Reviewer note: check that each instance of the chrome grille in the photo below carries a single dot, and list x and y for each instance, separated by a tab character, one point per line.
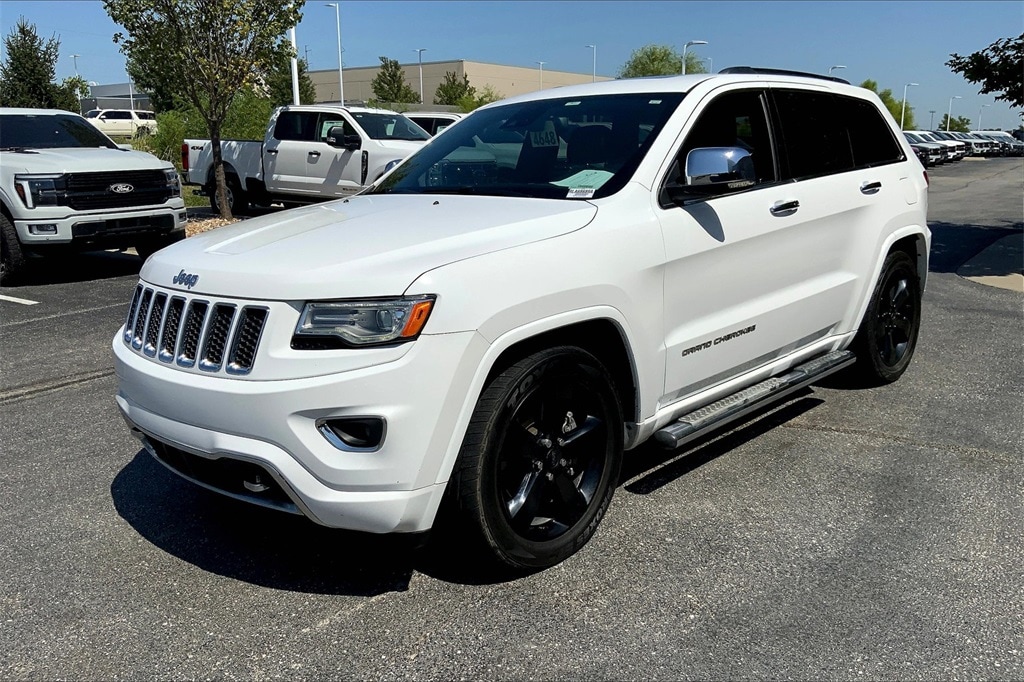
193	332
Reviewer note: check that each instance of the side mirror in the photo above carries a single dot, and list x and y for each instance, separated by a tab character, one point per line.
713	170
336	137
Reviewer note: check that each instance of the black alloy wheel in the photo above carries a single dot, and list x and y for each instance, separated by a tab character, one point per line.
541	459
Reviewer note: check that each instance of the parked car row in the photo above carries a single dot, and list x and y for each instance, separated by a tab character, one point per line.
933	147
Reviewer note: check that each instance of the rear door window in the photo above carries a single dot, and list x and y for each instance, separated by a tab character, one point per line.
814	138
871	138
296	125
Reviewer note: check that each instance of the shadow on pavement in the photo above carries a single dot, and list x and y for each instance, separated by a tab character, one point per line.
260	546
86	266
954	244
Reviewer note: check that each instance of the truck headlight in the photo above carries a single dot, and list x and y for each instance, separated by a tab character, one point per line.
173	182
39	190
364	322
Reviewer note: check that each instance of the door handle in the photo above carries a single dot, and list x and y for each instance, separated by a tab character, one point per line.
314	154
272	151
784	208
870	187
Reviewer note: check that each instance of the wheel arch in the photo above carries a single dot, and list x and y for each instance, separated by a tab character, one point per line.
914	241
601	335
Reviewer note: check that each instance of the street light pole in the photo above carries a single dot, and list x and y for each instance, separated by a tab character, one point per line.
903	114
594	48
979	115
75	57
837	66
419	51
688	44
949	115
542	74
711	64
931	126
337	20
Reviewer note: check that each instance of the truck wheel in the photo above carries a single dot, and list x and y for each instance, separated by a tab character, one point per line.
888	335
12	260
540	460
148	247
237	200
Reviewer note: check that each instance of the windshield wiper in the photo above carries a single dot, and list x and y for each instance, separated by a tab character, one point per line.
16	149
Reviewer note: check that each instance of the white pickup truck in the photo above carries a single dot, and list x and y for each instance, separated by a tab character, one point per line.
64	186
309	154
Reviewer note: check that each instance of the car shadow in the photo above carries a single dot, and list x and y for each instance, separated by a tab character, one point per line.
955	244
86	266
256	545
651	466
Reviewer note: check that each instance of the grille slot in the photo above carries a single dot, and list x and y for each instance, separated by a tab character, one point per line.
216	337
194	334
156	318
129	324
190	334
140	319
247	340
169	340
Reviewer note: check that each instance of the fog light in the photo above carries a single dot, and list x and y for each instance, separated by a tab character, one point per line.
46	228
183	216
354	434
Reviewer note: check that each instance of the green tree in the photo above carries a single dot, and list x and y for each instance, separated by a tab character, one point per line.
27	75
659	60
451	89
389	84
280	82
999	68
206	52
469	102
895	106
959	124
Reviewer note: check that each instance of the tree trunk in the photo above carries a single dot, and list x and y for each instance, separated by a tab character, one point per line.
218	171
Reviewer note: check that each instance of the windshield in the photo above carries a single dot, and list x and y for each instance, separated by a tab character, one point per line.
389	127
566	148
47	131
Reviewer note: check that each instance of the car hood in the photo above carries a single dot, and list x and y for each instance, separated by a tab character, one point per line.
80	160
402	148
362	246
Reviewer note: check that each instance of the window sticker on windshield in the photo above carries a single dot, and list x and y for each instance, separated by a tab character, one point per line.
590	179
580	193
544	138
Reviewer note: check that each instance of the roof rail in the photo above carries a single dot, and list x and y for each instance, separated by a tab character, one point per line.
780	72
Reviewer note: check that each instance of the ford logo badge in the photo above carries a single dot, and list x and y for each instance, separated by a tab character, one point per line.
185	279
121	188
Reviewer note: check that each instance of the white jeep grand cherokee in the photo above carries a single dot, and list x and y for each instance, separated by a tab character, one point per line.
564	275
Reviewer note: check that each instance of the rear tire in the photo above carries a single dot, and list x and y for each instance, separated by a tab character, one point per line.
12	258
887	337
540	461
238	202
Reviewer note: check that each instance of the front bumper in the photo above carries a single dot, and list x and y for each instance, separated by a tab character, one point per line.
206	427
100	229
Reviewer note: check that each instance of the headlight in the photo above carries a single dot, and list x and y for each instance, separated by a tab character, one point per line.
366	322
39	190
173	182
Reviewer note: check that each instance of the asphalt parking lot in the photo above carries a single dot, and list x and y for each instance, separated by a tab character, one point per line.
844	534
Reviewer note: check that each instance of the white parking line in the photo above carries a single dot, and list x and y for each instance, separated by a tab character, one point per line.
23	301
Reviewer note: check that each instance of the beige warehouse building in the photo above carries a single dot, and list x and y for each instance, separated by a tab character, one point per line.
505	80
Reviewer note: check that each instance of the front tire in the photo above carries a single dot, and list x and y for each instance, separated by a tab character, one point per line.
540	460
887	337
12	258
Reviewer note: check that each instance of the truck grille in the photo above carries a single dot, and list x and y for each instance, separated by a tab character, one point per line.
192	332
85	191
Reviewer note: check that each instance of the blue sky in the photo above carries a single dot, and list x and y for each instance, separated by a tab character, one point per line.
893	43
